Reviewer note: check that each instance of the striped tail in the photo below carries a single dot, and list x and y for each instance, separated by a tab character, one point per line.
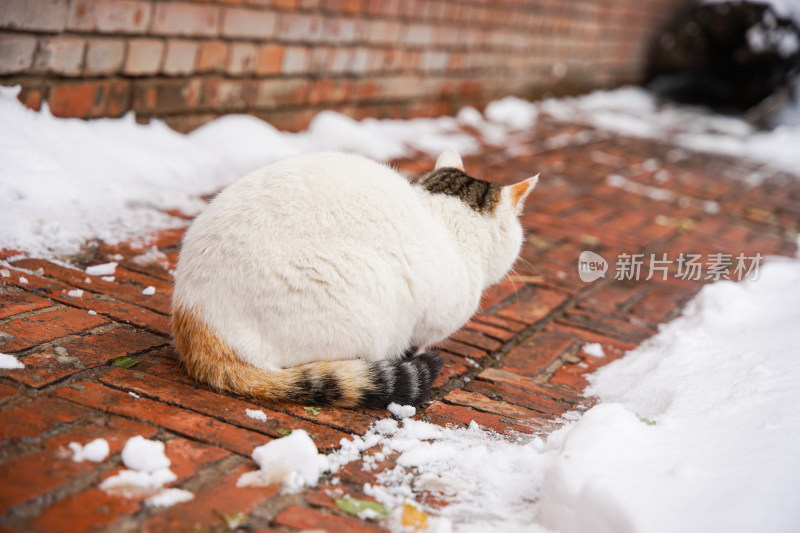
350	383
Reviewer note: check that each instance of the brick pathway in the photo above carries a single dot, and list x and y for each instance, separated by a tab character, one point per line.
515	367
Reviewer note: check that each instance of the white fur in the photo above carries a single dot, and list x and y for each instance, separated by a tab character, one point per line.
332	256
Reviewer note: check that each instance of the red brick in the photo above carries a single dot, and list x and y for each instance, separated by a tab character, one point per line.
144	57
275	93
477	339
611	326
243	59
104	56
585	335
89	99
213	404
7	392
181	421
444	413
212	56
249	23
45	15
180	57
296	60
500	322
528	384
185	18
270	59
220	495
40	472
46	366
61	55
502	408
304	518
496	333
532	305
452	366
14	303
542	404
110	16
462	349
45	326
166	96
536	353
300	27
30	420
16	53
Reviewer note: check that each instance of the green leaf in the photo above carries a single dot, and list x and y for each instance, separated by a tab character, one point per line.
313	411
645	420
234	520
284	432
125	362
356	506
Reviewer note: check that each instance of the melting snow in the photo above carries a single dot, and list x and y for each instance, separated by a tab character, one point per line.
9	362
401	411
292	461
594	349
106	269
257	414
149	291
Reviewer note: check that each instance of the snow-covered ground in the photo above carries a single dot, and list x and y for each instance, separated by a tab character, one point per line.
697	430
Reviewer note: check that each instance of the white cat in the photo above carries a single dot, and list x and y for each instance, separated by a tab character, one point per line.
323	278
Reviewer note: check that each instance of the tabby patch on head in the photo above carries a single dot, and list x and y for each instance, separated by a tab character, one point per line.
481	196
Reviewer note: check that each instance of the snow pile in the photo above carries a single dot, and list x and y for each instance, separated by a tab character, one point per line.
636	112
292	461
594	349
697	430
106	269
402	411
66	181
95	451
149	472
9	362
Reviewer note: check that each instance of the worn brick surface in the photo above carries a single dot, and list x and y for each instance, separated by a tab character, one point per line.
516	367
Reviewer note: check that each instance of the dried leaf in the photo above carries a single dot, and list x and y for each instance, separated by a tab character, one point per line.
284	432
313	411
357	506
125	362
413	517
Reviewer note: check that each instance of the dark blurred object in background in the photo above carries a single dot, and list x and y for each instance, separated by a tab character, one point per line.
733	57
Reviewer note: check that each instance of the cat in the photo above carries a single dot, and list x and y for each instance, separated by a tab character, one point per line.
323	279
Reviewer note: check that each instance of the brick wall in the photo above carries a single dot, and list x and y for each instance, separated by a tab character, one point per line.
284	60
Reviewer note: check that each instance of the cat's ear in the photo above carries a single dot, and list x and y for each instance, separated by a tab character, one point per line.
519	191
449	159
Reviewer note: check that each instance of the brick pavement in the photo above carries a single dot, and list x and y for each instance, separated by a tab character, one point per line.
516	367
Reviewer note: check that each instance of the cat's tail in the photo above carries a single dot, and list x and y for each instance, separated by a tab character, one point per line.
349	383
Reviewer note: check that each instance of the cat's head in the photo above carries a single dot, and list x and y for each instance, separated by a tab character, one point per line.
496	209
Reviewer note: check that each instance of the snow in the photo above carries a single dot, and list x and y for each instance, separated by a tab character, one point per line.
95	451
105	269
402	411
23	280
256	414
149	291
9	362
292	461
149	472
75	293
169	497
56	192
513	112
695	430
594	349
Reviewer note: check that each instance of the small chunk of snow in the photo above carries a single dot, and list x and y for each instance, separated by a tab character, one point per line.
9	362
23	280
87	279
4	273
109	279
257	414
402	411
92	312
169	497
387	426
292	461
144	454
75	293
595	349
149	291
134	395
105	269
95	451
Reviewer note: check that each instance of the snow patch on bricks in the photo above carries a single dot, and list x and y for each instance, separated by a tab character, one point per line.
95	451
9	362
149	472
105	269
292	461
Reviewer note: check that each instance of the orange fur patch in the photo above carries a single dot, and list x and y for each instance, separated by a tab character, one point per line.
209	359
518	191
